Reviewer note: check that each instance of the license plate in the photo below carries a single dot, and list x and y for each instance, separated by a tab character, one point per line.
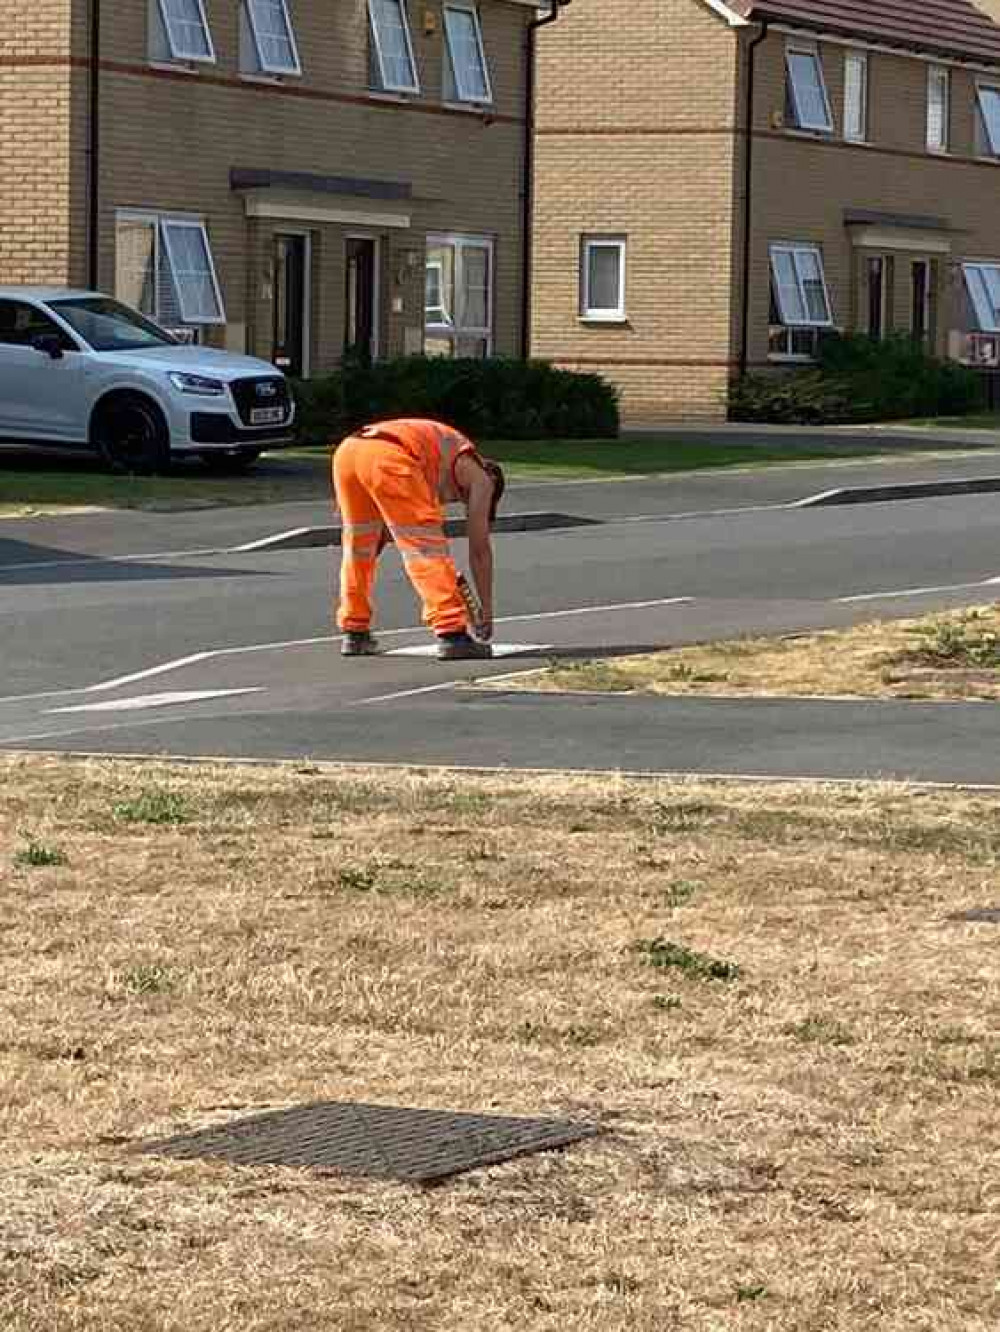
267	415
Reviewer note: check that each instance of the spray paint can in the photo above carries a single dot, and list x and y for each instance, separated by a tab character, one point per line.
472	603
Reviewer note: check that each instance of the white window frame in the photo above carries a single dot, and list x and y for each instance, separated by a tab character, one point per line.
938	89
446	320
159	222
811	52
856	114
460	95
602	314
168	224
384	84
150	220
451	328
795	250
175	49
977	285
990	131
265	66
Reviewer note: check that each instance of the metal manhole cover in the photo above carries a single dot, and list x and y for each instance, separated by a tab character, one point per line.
985	915
380	1141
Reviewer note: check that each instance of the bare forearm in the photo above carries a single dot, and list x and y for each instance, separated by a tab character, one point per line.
481	564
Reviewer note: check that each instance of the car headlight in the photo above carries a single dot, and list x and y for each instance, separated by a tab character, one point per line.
204	388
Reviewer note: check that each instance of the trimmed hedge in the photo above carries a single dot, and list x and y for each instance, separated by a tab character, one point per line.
486	399
860	379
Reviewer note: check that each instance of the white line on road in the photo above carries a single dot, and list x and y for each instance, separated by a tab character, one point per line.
499	650
596	610
917	591
411	693
141	701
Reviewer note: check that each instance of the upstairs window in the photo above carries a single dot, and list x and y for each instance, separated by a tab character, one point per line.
393	68
982	282
808	103
856	96
164	269
180	31
989	119
271	48
602	278
467	75
938	108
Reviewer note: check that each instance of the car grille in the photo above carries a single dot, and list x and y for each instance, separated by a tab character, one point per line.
266	391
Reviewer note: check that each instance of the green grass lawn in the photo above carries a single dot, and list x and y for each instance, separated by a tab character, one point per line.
653	454
45	482
984	421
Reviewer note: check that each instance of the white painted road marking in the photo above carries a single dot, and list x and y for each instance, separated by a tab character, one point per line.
141	701
918	591
499	650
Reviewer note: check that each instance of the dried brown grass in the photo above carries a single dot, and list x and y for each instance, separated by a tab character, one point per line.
883	659
811	1146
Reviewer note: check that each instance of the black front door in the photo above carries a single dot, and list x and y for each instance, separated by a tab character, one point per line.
288	351
360	302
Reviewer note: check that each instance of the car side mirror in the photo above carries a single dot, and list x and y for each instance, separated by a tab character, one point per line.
49	344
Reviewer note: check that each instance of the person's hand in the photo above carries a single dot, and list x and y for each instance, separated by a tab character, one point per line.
484	630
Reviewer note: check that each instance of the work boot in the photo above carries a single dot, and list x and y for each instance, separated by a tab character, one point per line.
462	647
359	644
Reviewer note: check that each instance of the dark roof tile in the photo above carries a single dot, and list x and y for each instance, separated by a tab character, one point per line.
947	27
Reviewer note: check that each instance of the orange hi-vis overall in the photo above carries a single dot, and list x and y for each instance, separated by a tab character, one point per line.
395	475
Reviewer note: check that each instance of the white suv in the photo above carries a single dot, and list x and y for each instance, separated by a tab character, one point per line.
79	368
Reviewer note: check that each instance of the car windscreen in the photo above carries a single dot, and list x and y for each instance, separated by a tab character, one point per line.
107	325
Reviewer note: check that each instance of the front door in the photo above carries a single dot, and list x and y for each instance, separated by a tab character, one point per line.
290	296
361	303
921	294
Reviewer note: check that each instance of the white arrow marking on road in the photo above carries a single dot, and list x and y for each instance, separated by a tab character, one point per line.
156	700
499	650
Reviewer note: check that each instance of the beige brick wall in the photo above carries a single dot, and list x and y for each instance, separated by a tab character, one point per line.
641	133
36	97
171	136
636	111
894	174
171	139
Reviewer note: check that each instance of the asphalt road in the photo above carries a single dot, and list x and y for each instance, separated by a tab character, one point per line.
138	633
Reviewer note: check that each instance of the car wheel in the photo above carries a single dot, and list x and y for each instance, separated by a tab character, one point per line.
131	436
230	464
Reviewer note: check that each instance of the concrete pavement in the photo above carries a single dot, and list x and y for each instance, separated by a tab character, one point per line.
230	654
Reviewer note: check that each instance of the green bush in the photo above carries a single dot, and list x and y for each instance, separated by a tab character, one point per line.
858	379
487	399
805	397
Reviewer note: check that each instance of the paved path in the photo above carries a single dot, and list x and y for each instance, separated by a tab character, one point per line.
229	654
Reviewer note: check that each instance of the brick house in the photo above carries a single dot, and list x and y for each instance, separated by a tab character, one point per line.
285	177
673	250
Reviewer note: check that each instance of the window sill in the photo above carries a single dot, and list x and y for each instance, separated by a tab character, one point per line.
816	135
269	80
175	66
788	358
602	321
388	95
470	108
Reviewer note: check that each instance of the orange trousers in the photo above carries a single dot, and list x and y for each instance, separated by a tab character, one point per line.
379	485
